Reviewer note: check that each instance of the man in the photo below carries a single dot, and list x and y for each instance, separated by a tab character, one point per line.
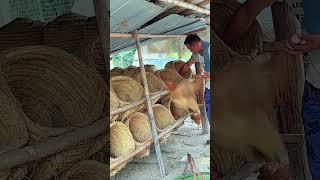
307	42
201	54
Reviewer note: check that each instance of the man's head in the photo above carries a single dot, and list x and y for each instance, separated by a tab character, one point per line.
193	43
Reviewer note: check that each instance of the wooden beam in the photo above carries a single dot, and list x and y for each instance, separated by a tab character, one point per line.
174	10
51	146
188	6
202	5
275	46
149	107
100	7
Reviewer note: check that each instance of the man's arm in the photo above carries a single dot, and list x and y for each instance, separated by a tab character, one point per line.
243	18
186	66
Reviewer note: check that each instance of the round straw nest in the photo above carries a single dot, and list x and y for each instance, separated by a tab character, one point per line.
121	140
169	75
53	166
251	42
87	170
140	129
162	116
128	91
150	68
131	71
114	104
65	32
13	130
117	72
175	110
57	92
21	32
155	84
177	65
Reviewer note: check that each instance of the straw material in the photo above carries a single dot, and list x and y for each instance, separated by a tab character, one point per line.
19	172
65	32
163	117
87	170
13	130
226	161
150	68
114	104
177	65
121	140
155	84
175	110
21	32
57	92
128	91
140	129
51	167
251	42
169	75
117	72
131	71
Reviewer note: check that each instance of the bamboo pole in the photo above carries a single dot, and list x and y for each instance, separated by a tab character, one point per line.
129	35
120	160
100	7
187	6
149	107
51	146
135	104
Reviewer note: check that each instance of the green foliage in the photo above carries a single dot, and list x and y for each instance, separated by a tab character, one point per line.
124	59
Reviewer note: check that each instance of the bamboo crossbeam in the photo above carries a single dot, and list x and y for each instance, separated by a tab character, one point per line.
120	160
135	104
143	36
187	6
51	146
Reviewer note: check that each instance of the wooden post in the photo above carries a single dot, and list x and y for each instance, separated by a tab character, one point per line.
149	107
201	102
290	92
100	7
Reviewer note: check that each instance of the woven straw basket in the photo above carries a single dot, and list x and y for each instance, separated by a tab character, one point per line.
155	84
114	104
87	170
57	92
251	42
175	110
121	140
177	65
163	119
140	129
116	72
21	32
53	166
65	32
128	91
150	68
13	130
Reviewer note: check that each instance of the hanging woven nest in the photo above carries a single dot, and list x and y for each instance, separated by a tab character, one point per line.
177	65
65	32
163	119
140	129
86	170
251	42
128	91
21	32
57	92
121	140
155	84
13	130
114	104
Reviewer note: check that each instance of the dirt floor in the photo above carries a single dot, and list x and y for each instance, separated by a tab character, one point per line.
188	139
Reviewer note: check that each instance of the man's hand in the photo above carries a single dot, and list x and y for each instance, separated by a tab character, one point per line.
186	67
205	75
302	43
